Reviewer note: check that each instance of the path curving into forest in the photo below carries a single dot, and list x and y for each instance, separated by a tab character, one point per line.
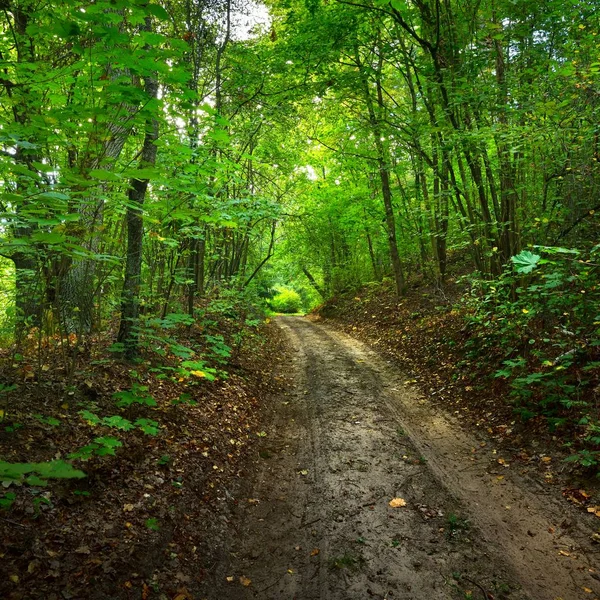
349	437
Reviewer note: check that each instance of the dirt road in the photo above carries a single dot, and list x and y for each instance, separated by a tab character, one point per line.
352	436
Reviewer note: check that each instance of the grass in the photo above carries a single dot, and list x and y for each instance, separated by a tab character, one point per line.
345	561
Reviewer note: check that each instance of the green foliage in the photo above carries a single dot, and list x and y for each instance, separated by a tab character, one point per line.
547	329
198	369
37	474
101	446
525	262
455	526
53	422
152	524
164	460
184	398
148	426
218	349
286	301
136	395
7	500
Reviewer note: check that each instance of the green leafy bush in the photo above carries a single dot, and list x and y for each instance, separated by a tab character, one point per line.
541	320
286	301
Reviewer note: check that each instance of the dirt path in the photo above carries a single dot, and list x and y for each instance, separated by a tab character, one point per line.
350	437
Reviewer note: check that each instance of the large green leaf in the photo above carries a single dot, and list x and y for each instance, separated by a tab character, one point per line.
525	261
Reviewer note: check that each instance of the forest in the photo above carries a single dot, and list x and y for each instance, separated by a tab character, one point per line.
423	174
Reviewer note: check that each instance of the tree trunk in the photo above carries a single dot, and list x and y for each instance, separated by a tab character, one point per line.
384	175
130	299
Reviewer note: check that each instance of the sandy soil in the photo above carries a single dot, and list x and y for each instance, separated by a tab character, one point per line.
351	436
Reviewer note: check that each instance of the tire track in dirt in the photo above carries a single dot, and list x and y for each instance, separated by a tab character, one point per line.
347	439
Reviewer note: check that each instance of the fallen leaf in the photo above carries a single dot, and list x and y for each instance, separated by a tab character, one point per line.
83	550
245	581
303	472
253	500
14	578
230	578
546	459
314	552
290	571
563	553
397	502
33	565
594	510
587	590
128	507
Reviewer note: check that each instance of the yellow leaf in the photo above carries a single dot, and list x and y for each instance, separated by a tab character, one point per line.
245	581
563	553
64	406
397	502
128	507
314	552
290	571
230	578
525	311
14	578
546	459
198	373
587	590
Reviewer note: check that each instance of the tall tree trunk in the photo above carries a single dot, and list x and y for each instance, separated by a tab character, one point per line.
130	300
384	173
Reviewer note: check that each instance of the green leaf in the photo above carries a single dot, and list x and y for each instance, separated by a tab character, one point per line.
158	11
42	237
37	481
148	426
525	261
118	422
55	469
104	175
152	524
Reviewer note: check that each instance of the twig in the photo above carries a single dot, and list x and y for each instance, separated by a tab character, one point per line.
15	523
483	591
311	522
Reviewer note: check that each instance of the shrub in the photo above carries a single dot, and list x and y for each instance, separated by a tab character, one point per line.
286	301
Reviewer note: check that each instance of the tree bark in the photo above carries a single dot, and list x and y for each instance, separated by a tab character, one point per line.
384	174
130	299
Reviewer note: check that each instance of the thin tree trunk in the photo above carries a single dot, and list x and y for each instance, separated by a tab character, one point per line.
130	300
384	175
